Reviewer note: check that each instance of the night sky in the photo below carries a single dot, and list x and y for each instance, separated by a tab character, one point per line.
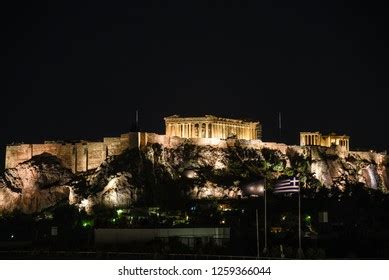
79	70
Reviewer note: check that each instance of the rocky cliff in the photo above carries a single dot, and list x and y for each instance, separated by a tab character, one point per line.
161	175
34	185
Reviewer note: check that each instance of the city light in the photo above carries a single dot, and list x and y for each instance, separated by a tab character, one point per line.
255	188
87	223
190	174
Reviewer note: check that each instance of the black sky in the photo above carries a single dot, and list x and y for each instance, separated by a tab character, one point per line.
79	70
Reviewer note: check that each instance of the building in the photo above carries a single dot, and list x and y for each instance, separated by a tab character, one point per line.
212	127
79	155
316	139
187	236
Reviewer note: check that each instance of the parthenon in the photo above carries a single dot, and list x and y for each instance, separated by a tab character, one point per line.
316	139
211	126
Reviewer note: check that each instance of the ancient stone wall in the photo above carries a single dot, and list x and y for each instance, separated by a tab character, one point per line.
61	150
97	153
83	155
79	156
15	154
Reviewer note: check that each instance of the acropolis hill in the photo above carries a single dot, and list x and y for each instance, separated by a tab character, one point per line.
221	154
85	155
208	130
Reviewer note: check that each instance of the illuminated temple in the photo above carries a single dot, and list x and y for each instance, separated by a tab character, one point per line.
317	139
211	126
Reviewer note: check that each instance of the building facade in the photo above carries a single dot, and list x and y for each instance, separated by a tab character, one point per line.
212	127
316	139
77	156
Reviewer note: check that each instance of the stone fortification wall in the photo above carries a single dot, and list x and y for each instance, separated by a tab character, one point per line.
83	155
79	156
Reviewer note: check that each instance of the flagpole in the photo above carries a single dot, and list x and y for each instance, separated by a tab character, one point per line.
300	250
299	220
265	212
256	219
279	126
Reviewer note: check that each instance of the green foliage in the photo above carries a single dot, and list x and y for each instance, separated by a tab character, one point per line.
273	161
289	172
301	165
279	167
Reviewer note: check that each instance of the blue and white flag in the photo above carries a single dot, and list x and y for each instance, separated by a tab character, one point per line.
290	185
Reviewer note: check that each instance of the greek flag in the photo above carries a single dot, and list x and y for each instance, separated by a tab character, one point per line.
290	185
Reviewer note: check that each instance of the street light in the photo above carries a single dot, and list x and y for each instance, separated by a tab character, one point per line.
256	189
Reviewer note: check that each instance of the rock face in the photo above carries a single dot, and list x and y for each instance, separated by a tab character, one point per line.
34	185
157	175
338	169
